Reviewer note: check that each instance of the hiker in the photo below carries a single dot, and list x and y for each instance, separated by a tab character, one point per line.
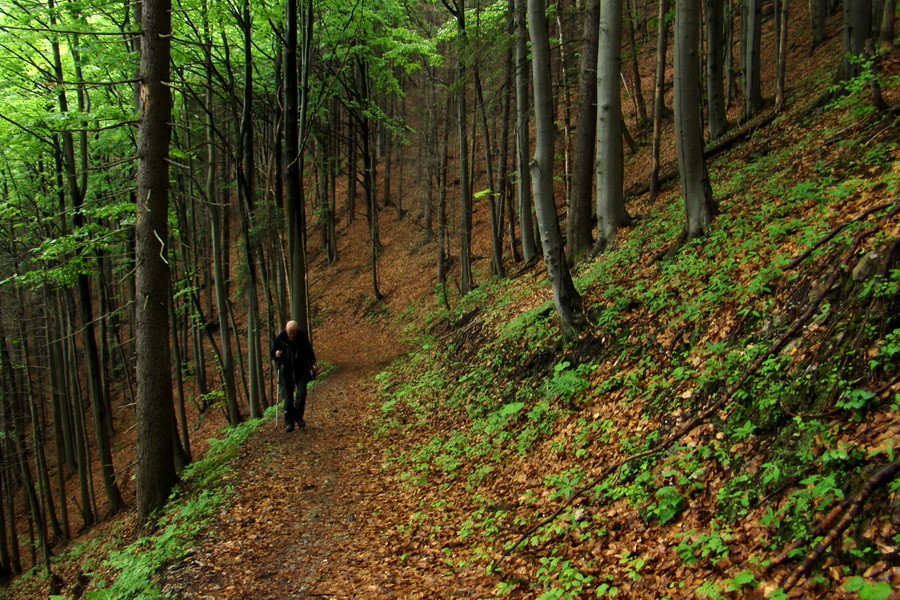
296	362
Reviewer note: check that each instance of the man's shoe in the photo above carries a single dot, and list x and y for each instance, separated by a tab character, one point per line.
290	427
301	424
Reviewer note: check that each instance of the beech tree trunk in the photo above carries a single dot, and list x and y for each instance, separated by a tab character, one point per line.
611	213
466	283
220	258
750	42
818	13
568	301
526	223
715	67
889	15
688	121
246	175
578	226
658	97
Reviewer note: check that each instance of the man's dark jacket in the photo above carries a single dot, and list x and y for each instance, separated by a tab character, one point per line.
297	357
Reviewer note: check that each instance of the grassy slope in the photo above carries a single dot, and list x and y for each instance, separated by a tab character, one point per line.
494	425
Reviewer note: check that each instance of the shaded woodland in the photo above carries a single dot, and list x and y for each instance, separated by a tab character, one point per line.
168	170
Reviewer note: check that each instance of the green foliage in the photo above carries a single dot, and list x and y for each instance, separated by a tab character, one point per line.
185	515
853	91
866	590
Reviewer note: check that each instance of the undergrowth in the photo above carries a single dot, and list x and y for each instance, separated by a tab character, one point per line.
130	572
493	391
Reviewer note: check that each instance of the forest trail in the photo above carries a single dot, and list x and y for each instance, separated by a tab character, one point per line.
291	527
313	514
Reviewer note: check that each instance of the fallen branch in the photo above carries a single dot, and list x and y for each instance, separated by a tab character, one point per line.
811	310
882	477
724	143
836	231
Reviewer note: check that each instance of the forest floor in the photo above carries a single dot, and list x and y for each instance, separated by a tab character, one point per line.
314	514
317	514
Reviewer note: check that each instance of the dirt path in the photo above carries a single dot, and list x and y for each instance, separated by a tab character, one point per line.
299	496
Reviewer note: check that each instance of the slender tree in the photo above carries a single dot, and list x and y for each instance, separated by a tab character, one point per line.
578	225
568	301
695	184
715	67
611	213
751	41
659	107
523	190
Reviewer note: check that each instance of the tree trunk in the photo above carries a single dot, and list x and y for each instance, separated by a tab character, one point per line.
886	35
641	118
369	181
688	121
466	283
293	191
567	300
818	12
218	247
504	185
155	474
497	269
246	174
578	226
182	449
526	223
781	64
611	213
352	174
658	97
715	67
750	42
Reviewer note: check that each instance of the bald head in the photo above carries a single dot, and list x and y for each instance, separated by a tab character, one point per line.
291	328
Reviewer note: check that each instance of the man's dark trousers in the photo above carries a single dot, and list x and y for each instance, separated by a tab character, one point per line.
293	411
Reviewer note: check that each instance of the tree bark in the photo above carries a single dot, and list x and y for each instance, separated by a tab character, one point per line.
155	474
818	12
578	226
715	71
886	34
466	283
658	97
611	213
526	223
568	301
246	175
781	61
494	208
750	42
688	124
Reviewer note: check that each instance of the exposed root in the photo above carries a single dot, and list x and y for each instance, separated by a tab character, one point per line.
848	511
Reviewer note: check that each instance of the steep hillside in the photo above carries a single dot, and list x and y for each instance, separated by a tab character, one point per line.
727	423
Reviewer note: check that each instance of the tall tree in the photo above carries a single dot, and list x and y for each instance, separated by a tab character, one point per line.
246	175
715	67
293	190
578	225
695	184
611	213
155	475
76	187
751	41
466	283
566	297
523	105
658	96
